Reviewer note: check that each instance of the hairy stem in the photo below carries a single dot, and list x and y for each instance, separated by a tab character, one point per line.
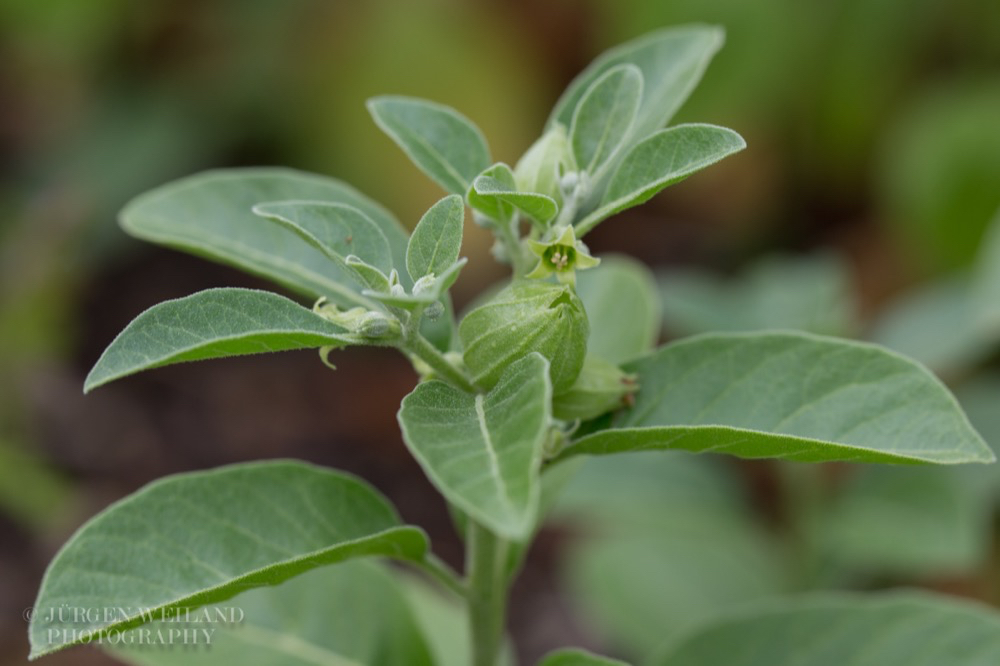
429	354
487	592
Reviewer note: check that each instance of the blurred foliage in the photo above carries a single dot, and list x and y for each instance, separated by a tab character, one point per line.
872	145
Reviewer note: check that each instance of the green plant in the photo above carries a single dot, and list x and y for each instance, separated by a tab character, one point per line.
553	366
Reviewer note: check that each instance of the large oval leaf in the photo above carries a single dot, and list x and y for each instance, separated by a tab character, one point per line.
789	395
662	159
443	143
210	214
200	538
484	452
843	630
671	61
212	324
353	614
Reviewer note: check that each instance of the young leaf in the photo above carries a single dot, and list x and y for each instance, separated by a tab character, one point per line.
353	614
212	324
443	143
620	290
671	61
794	396
337	230
604	116
662	159
837	630
576	657
209	214
498	185
483	452
540	167
437	238
489	205
203	537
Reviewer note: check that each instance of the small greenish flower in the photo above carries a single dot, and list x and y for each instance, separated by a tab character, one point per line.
562	256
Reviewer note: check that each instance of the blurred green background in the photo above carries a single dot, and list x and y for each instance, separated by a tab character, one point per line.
871	177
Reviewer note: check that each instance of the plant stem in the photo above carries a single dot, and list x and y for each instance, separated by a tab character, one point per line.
419	346
487	592
441	572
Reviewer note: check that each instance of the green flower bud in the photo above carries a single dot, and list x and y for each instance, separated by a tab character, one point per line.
376	325
600	387
434	310
526	317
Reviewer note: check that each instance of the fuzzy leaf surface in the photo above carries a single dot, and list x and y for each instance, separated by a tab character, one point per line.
672	62
337	230
794	396
443	143
604	116
214	323
662	159
203	537
500	186
210	214
437	239
484	452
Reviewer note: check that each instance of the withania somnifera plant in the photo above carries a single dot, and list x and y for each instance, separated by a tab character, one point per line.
558	363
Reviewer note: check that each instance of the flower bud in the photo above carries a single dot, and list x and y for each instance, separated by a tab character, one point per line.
600	387
528	316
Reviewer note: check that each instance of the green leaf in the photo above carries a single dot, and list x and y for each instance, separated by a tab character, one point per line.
808	293
935	324
604	116
794	396
671	61
204	537
483	452
443	621
576	657
540	167
495	188
662	159
909	521
493	207
620	290
337	230
845	630
214	323
442	142
437	239
435	291
667	539
353	614
209	214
